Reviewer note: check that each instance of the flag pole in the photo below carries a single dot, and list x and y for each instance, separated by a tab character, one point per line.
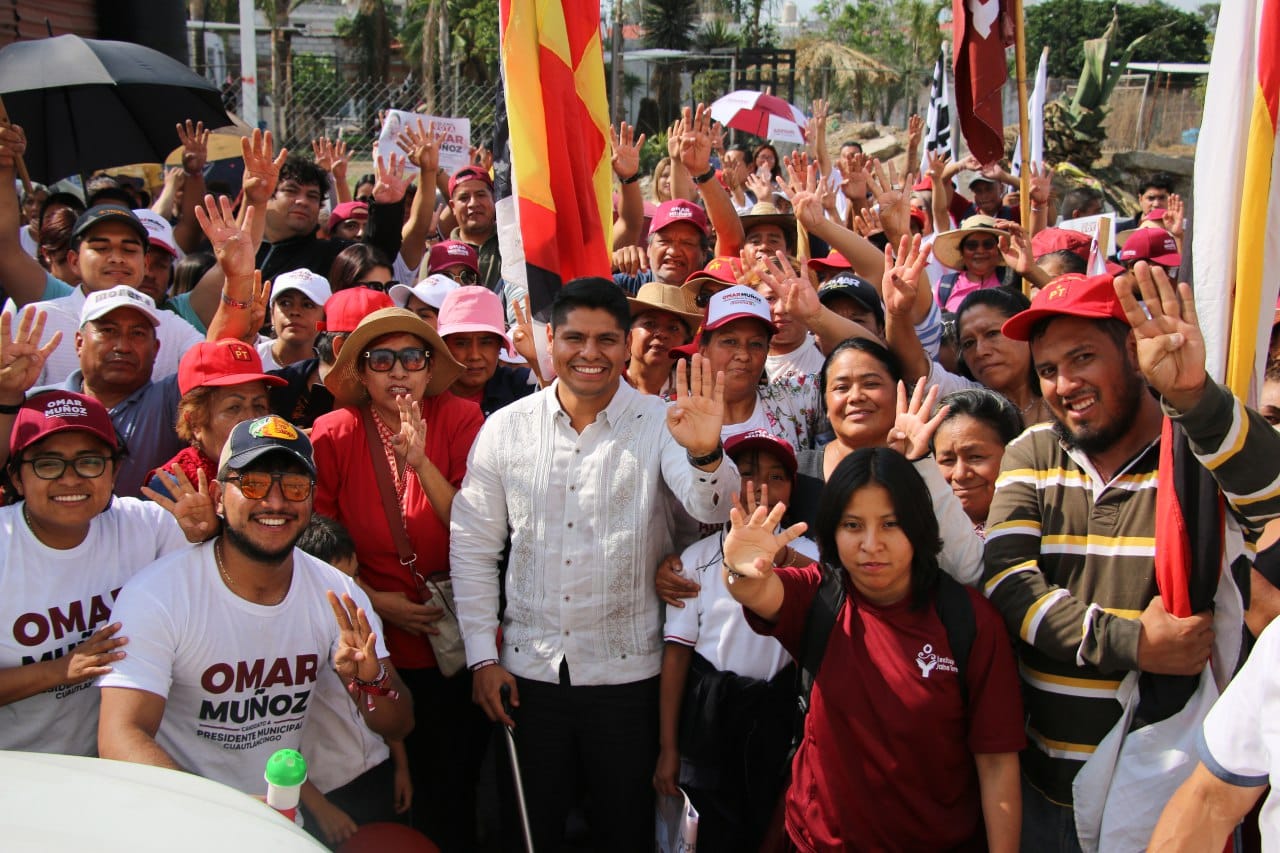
1024	126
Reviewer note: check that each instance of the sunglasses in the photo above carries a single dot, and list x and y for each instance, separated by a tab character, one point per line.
256	484
975	245
53	467
463	276
380	286
413	359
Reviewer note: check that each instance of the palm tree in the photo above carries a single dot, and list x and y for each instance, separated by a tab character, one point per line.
668	24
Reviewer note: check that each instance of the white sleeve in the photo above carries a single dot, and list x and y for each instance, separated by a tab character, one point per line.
161	524
682	623
961	555
153	640
1232	742
477	536
706	496
948	382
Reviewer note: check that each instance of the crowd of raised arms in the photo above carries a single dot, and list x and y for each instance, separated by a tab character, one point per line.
833	508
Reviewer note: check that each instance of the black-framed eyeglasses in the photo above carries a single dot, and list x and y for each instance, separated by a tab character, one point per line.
975	245
255	485
380	286
462	275
53	467
382	360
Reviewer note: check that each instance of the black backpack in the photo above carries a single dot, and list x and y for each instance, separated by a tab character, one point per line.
951	600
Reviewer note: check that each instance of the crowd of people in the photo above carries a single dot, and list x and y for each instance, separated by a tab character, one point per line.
837	507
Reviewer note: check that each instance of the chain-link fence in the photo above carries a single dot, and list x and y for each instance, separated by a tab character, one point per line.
321	97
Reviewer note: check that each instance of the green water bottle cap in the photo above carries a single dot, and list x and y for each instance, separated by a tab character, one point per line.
285	768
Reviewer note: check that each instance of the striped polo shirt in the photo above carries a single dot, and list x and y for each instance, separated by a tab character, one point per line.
1070	564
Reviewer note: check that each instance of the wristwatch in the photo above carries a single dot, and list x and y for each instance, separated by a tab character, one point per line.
713	456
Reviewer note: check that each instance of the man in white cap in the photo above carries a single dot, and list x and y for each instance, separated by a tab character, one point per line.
117	346
162	253
298	298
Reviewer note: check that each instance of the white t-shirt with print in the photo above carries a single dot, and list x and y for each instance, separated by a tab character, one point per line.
804	360
712	621
237	677
51	600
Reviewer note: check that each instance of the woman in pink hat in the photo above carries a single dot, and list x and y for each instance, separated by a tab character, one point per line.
470	322
222	383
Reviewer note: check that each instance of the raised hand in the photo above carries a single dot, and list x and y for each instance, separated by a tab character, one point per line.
22	357
232	242
902	275
626	150
482	157
322	153
893	199
753	540
411	441
696	416
195	146
867	223
913	429
259	305
1171	352
356	655
695	140
759	187
392	183
673	139
13	144
522	335
261	170
421	146
191	505
915	132
799	298
810	195
1041	180
1015	248
938	162
1174	216
717	137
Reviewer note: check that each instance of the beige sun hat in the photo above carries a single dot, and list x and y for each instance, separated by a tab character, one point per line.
344	379
672	298
946	248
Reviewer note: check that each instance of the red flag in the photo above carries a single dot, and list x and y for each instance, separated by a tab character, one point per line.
983	29
553	72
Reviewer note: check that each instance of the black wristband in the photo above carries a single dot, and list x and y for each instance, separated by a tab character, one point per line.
713	456
11	409
630	180
705	176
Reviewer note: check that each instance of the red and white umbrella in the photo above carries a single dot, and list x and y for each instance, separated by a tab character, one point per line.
760	114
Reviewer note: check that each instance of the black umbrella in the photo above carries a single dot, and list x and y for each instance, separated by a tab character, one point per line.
87	104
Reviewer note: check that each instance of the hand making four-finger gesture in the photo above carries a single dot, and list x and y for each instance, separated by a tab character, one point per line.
696	416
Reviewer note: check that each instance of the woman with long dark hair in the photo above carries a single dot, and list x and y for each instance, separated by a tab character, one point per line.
903	747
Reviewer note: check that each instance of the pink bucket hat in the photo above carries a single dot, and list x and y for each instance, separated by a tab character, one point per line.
473	309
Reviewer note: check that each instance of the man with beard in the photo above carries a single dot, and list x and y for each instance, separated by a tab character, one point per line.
226	640
1071	540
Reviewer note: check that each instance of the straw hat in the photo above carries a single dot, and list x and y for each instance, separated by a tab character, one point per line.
766	213
672	298
344	379
946	248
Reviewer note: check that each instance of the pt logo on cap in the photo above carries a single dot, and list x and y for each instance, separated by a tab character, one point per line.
239	352
1058	291
273	427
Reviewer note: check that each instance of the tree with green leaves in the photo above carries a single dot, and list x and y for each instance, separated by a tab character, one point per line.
668	24
1065	25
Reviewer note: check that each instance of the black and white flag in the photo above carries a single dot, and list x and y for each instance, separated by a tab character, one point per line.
938	135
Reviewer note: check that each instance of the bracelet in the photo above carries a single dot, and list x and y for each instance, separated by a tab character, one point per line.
730	575
379	686
630	180
706	176
12	408
713	456
476	667
235	303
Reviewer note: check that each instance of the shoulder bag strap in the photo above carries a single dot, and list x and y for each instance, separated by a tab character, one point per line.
387	490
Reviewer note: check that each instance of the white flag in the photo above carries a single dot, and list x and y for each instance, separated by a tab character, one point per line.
1035	116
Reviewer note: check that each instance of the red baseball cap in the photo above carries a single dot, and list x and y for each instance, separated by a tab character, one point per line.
452	253
833	261
1071	295
60	411
223	362
679	210
347	210
346	308
1151	244
763	441
723	269
1061	239
469	173
923	185
917	215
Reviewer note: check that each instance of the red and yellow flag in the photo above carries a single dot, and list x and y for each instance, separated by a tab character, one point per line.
1236	241
558	112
